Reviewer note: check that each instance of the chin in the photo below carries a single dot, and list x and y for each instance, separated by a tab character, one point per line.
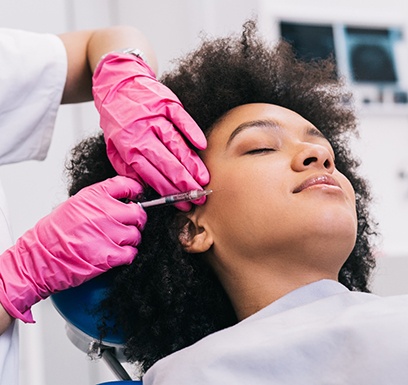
335	233
343	220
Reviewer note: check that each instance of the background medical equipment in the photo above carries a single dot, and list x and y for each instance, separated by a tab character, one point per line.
367	55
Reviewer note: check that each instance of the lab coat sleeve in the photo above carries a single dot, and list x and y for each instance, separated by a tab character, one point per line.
33	69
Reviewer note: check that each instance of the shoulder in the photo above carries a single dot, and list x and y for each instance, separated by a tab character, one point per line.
15	42
308	335
26	54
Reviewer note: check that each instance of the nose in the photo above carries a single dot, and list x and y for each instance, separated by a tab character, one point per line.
312	155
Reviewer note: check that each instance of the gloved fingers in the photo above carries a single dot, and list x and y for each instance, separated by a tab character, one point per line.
123	235
131	236
120	187
120	214
186	125
163	185
177	146
106	198
148	174
169	106
158	100
127	255
131	214
157	165
121	167
139	168
160	181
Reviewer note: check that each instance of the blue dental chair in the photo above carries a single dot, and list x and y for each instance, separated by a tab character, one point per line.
76	307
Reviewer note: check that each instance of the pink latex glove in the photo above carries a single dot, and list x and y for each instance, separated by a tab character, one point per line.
83	237
146	128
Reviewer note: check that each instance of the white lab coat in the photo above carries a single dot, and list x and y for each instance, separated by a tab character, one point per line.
320	334
33	70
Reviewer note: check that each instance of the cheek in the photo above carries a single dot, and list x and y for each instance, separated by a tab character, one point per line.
243	201
349	191
244	187
351	194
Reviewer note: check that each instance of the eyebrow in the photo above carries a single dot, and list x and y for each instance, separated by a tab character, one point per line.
268	123
313	131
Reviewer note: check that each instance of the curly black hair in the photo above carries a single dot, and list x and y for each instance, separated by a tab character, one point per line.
166	300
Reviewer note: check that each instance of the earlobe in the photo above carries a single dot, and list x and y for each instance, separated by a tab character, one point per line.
194	238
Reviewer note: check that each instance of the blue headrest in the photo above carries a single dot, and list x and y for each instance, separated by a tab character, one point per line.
121	382
77	306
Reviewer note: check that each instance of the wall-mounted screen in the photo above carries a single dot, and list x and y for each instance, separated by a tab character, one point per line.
365	55
371	54
309	41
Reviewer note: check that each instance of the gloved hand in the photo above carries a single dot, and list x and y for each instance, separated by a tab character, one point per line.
146	128
83	237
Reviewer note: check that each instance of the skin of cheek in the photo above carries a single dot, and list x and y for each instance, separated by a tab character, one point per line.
237	217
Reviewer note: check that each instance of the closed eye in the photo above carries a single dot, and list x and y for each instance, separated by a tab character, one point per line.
260	151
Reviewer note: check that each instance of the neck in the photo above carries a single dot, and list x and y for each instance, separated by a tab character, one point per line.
251	288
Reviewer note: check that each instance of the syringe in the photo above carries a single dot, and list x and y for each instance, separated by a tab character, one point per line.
176	198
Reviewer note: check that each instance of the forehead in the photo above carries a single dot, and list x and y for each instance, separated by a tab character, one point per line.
237	116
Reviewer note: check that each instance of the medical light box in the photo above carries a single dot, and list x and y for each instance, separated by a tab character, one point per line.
366	55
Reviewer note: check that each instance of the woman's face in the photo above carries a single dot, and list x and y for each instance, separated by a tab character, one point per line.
276	190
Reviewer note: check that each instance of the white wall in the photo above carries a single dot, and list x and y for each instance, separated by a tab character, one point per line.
33	188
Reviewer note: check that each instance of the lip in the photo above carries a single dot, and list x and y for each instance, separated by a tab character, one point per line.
326	180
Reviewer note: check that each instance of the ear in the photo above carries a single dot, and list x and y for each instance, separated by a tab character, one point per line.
194	237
